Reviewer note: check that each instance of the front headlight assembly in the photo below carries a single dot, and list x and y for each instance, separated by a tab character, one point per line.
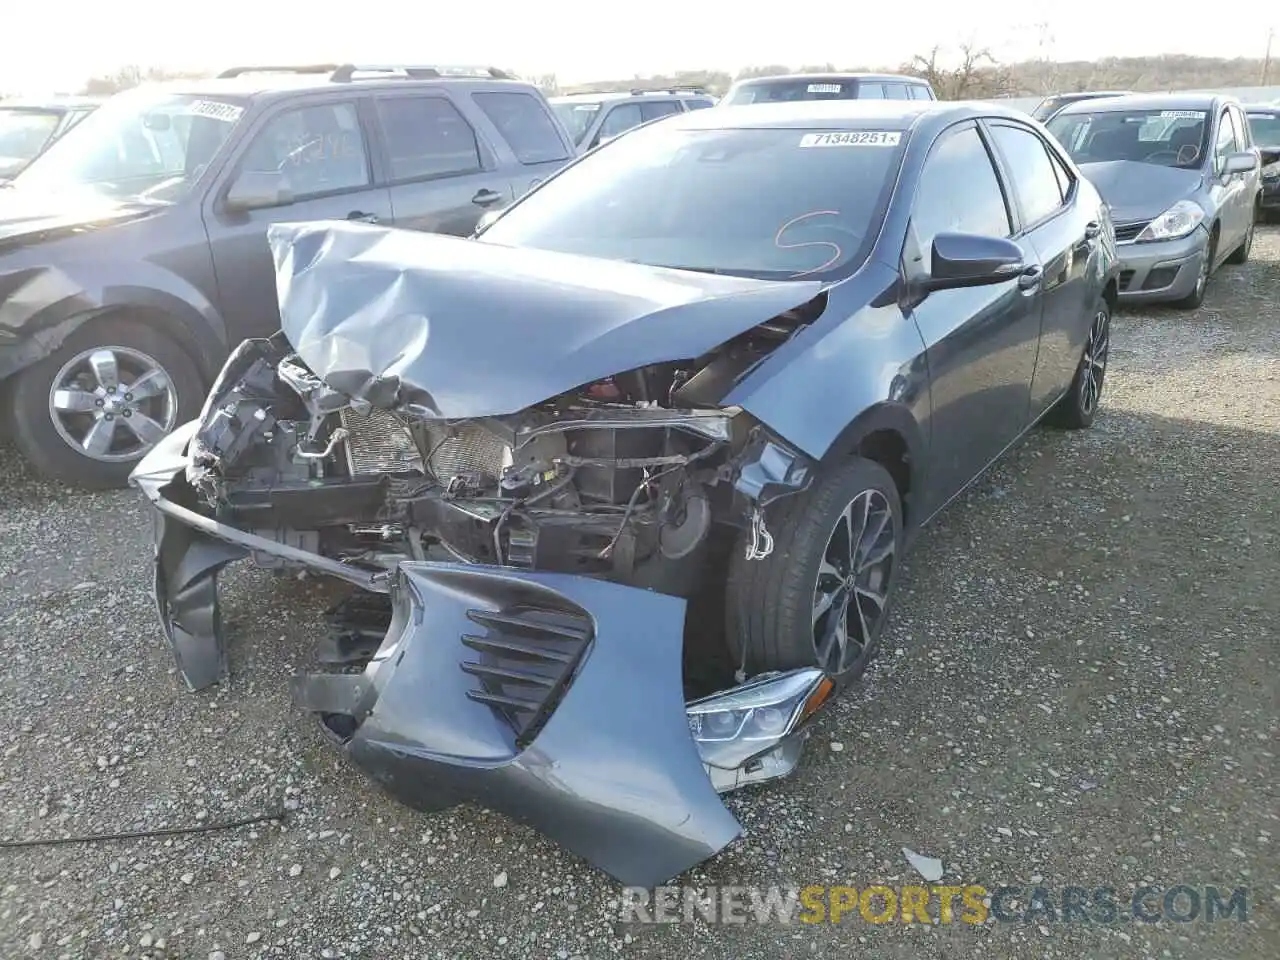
1178	221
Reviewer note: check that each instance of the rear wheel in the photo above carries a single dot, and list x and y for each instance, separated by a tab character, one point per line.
88	412
821	597
1079	405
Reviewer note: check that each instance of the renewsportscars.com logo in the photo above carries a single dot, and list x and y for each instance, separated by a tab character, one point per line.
970	904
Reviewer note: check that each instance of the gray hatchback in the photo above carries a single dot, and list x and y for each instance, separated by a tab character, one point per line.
133	252
1180	173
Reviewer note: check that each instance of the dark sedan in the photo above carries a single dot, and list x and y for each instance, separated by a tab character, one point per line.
625	481
1264	123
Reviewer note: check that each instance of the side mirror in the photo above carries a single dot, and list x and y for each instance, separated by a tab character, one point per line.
972	260
1240	163
257	190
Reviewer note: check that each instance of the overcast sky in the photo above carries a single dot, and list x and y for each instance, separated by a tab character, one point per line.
55	45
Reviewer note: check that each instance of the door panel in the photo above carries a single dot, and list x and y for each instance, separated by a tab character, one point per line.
442	176
980	342
323	149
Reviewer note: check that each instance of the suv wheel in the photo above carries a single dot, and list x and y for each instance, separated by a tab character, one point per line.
88	412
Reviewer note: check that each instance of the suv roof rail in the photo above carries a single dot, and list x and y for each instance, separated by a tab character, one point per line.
347	72
678	88
304	68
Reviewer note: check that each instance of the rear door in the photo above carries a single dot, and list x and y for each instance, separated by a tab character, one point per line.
1066	237
980	341
522	124
441	173
322	145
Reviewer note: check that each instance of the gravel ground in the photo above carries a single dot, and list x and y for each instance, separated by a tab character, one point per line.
1079	686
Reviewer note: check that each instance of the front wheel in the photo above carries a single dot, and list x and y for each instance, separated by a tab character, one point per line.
1079	405
88	412
1195	298
821	597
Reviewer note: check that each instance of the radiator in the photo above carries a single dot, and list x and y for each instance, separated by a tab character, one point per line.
377	443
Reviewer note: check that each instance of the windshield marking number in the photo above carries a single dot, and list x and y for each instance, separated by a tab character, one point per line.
1182	114
858	138
215	110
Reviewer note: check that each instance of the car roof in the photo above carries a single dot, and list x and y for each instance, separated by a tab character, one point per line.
818	77
674	92
1271	108
256	82
1148	101
842	114
58	103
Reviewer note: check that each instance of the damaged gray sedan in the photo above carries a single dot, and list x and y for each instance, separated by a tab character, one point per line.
624	482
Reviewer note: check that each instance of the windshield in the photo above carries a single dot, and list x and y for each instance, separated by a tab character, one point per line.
771	203
576	117
1266	129
1170	138
23	133
143	144
786	90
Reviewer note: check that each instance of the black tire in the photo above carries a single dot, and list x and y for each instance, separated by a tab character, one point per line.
1079	405
770	602
1194	299
1240	255
39	437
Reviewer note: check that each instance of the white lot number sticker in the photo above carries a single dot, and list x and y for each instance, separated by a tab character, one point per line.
1182	114
215	110
853	138
824	88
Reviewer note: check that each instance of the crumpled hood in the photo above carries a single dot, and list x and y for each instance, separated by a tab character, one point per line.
1140	191
458	329
31	213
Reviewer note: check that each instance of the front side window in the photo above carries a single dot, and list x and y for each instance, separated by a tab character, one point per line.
773	203
318	148
620	119
660	108
959	156
895	91
1170	138
524	124
577	116
427	137
1225	144
143	144
1034	179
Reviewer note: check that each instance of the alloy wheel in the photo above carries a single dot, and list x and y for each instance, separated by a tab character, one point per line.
1094	362
1202	278
112	403
852	589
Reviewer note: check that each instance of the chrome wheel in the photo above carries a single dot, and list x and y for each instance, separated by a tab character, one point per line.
112	403
852	589
1094	362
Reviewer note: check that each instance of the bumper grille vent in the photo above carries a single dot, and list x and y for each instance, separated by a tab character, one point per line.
1129	231
464	448
526	662
378	443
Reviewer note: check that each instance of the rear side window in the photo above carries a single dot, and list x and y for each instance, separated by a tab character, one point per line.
1034	179
524	124
920	92
427	137
959	156
620	119
662	108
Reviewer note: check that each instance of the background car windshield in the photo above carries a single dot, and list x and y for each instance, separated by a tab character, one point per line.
770	203
1170	138
23	133
1265	128
142	144
576	117
788	91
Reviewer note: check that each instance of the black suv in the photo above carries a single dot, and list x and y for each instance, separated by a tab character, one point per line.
133	252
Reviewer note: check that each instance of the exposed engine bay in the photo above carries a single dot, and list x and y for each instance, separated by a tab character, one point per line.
625	478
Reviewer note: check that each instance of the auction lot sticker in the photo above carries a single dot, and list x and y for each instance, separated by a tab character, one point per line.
853	138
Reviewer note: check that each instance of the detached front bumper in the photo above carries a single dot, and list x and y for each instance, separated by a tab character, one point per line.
1162	270
555	699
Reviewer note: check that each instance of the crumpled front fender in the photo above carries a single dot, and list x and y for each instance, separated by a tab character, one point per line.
556	700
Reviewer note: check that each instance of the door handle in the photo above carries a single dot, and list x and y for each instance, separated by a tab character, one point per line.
360	216
486	197
1092	229
1030	278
